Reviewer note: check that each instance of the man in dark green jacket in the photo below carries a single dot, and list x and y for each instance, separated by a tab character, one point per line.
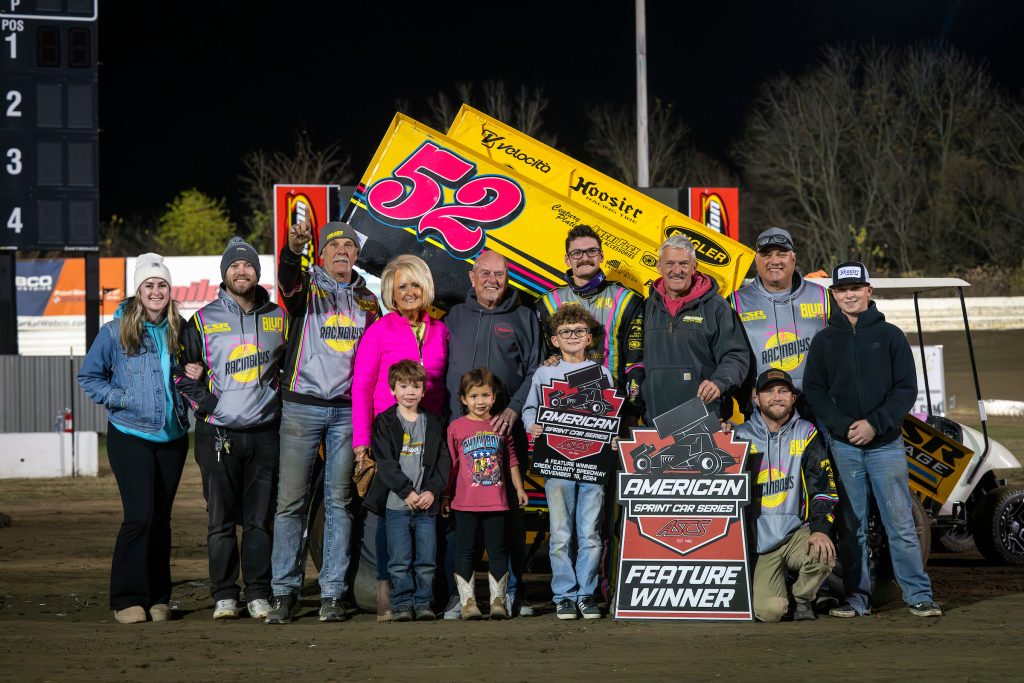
693	342
860	381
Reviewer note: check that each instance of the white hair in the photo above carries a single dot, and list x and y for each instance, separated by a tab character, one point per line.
677	242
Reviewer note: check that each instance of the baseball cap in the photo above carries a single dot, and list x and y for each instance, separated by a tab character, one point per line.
774	375
775	237
849	273
335	229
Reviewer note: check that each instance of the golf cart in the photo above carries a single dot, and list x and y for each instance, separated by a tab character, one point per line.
958	497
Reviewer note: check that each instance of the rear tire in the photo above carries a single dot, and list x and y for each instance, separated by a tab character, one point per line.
998	525
362	581
955	540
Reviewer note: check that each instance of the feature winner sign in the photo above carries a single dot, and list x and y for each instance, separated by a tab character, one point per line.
684	550
580	418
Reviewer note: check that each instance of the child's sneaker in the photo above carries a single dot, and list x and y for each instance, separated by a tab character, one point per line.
259	608
226	609
589	609
566	609
453	610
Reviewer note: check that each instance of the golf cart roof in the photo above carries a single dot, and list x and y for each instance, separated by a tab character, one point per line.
913	284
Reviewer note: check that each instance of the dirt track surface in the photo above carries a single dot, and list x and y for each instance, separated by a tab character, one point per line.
54	568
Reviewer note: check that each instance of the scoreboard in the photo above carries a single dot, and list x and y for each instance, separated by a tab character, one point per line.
49	140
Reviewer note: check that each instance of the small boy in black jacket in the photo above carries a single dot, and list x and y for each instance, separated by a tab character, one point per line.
412	471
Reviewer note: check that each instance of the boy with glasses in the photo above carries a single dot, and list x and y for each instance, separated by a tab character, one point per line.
570	503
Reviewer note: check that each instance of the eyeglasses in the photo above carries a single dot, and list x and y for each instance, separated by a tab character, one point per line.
577	254
781	240
575	332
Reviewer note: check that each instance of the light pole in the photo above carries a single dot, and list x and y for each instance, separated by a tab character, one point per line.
643	173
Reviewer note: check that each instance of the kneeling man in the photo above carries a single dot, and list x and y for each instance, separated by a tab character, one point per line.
793	498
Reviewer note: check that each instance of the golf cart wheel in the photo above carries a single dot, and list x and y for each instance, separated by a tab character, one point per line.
999	525
711	463
954	540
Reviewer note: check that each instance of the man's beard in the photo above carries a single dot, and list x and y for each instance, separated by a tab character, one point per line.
240	287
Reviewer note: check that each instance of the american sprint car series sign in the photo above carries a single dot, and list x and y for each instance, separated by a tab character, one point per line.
620	206
684	552
580	418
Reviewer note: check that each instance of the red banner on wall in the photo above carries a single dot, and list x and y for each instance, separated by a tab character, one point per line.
294	203
718	208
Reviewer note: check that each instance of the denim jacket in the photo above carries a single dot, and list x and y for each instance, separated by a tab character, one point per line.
130	387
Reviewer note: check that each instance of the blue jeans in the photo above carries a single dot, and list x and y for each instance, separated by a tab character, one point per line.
412	549
302	428
883	469
570	504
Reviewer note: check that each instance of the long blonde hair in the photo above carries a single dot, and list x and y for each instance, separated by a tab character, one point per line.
133	318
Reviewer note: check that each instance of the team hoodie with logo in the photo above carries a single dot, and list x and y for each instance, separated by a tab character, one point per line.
327	319
242	352
781	325
793	483
688	340
865	372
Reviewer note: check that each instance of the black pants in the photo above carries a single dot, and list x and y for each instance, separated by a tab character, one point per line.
493	525
240	489
147	474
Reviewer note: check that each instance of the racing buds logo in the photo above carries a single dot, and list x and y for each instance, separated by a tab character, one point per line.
244	362
340	333
773	485
439	193
785	350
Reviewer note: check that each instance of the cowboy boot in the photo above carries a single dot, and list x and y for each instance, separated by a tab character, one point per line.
497	587
467	597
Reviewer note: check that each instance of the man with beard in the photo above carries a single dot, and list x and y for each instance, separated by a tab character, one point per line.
240	339
492	329
794	494
693	344
329	309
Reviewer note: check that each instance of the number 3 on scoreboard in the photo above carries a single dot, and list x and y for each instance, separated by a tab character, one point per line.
414	196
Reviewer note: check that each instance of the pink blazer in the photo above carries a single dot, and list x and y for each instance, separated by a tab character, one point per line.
387	341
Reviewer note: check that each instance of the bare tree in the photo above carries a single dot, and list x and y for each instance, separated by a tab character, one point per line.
304	164
521	108
894	157
674	161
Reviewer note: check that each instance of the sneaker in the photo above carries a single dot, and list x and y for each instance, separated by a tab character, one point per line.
282	609
566	609
403	614
331	609
453	610
425	614
804	612
160	612
926	609
226	609
130	615
588	608
847	611
258	608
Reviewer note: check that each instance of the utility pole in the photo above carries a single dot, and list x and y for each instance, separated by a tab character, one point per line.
643	173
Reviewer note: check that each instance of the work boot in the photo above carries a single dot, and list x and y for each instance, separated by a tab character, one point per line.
497	587
384	612
467	598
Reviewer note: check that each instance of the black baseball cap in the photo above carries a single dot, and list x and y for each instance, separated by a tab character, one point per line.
775	237
849	273
772	375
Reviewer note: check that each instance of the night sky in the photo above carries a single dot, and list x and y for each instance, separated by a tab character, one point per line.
187	87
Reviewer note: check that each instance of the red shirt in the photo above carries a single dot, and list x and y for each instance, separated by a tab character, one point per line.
480	459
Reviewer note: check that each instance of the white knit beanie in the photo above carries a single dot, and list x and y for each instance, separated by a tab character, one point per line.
150	265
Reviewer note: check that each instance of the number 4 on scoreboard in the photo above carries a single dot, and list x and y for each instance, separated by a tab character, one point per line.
14	220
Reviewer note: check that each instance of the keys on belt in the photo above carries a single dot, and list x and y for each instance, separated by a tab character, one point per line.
221	443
